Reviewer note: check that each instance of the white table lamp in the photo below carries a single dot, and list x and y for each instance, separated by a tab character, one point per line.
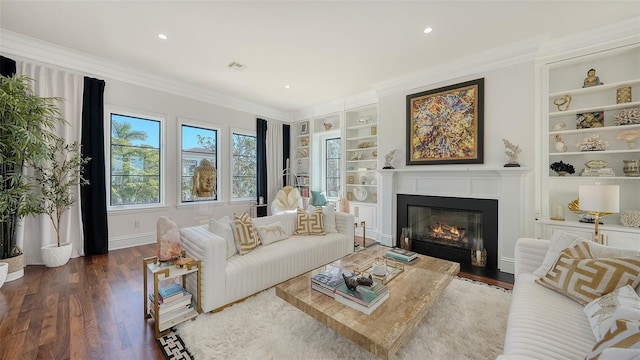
599	200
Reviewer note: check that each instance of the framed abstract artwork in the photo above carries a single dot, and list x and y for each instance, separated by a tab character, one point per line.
445	125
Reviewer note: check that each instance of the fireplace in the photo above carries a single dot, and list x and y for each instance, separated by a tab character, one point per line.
450	227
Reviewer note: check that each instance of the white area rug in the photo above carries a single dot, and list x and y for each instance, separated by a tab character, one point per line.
468	321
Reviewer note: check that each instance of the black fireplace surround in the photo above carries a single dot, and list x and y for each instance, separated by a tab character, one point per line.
489	229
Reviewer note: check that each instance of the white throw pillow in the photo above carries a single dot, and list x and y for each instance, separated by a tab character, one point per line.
559	241
272	233
223	229
328	216
288	221
602	312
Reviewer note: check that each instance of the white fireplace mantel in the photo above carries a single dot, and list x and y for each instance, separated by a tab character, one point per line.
505	184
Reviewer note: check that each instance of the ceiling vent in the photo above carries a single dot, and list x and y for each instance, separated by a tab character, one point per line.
237	66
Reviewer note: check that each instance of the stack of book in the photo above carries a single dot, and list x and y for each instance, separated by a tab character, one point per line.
327	281
174	302
402	255
364	298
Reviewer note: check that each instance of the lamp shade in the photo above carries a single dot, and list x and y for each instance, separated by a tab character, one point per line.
600	198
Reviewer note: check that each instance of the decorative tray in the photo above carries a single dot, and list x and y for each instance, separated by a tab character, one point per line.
394	268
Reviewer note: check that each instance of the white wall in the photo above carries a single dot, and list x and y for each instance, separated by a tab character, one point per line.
509	113
132	227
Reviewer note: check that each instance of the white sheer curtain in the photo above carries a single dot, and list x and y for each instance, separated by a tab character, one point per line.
37	231
274	158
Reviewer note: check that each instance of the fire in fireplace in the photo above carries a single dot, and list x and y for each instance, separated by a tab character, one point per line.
450	228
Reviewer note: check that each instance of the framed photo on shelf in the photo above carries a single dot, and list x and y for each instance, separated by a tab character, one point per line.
304	128
446	125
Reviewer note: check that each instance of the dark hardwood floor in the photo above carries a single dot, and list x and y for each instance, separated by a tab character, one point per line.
90	308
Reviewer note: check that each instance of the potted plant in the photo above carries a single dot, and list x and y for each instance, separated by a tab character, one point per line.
27	124
58	178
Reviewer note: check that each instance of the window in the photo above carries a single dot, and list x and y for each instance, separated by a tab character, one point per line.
332	167
199	164
134	160
244	165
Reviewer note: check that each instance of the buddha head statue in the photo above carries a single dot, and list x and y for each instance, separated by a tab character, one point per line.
203	182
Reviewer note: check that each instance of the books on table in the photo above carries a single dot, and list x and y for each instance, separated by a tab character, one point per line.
365	309
171	292
363	295
327	281
168	306
402	254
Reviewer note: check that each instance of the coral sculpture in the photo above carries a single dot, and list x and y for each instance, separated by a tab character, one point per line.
512	151
592	143
627	117
630	218
561	167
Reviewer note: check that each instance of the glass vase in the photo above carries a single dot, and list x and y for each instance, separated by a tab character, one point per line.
405	238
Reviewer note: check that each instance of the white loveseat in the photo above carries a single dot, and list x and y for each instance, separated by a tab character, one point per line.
227	280
543	323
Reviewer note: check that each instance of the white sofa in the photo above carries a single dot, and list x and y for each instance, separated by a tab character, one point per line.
227	280
543	323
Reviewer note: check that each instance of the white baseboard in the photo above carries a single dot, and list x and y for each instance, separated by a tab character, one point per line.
507	265
127	241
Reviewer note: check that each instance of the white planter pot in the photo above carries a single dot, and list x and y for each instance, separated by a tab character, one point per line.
54	256
4	270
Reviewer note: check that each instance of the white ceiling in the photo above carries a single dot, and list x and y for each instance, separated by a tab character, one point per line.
326	50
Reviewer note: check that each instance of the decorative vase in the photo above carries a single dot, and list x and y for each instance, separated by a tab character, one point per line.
405	238
54	255
4	270
631	167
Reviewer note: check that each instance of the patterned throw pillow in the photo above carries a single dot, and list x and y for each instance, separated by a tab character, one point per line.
272	232
624	334
245	233
579	276
328	216
310	224
602	312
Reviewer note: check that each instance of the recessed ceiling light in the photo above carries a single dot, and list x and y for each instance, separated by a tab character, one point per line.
287	86
162	36
428	30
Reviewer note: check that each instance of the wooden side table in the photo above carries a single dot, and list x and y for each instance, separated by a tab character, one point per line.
166	271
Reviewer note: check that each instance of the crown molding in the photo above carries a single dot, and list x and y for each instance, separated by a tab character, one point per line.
337	105
512	54
19	46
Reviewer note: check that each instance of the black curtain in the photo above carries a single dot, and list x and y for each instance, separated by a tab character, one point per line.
7	66
94	196
286	150
261	153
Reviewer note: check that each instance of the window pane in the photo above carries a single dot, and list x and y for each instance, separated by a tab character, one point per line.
199	164
332	167
244	166
135	160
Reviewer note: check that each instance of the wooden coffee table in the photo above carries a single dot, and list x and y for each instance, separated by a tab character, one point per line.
411	295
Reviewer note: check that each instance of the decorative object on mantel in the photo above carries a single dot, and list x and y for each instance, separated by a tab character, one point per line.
389	158
592	143
631	167
590	120
627	117
591	79
512	151
559	126
597	168
623	95
564	101
630	137
630	218
560	145
561	168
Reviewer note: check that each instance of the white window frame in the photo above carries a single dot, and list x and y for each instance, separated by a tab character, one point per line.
239	132
109	110
322	138
219	166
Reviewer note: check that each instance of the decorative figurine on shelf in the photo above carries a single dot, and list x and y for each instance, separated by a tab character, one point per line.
512	151
563	101
562	168
592	143
203	182
168	239
591	79
388	159
560	145
327	125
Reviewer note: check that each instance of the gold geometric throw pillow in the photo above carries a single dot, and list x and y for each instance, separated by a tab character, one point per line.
245	233
310	224
624	334
583	278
